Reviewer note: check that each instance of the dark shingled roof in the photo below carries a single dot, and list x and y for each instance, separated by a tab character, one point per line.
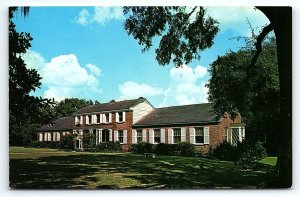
118	105
184	114
61	124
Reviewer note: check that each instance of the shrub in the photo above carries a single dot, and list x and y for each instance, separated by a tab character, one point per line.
142	147
67	142
162	149
44	144
225	151
250	154
107	147
180	149
185	149
88	141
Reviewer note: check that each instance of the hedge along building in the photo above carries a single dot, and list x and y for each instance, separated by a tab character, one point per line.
133	121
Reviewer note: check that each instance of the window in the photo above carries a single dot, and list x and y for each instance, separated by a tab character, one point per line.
120	136
226	134
139	136
177	135
120	115
77	120
235	136
98	118
106	116
199	135
88	119
156	136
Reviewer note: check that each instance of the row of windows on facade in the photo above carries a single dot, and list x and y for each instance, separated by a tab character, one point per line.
55	136
100	118
198	135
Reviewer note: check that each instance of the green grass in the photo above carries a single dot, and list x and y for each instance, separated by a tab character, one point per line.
46	168
269	161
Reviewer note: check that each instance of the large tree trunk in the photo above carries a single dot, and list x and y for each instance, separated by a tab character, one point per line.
281	19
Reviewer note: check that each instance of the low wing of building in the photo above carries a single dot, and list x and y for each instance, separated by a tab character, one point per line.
133	121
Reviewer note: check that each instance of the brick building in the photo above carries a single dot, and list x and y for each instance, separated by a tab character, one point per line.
133	121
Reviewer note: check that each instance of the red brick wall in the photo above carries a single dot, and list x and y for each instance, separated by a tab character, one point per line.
216	132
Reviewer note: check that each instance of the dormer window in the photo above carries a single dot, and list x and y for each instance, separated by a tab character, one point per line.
120	116
88	119
98	117
78	120
106	118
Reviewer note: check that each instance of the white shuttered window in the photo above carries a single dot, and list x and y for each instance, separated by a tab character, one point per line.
115	136
162	135
170	136
125	137
206	135
183	137
134	136
151	136
192	135
144	135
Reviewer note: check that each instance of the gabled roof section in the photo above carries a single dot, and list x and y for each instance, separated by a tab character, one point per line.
184	114
111	106
61	124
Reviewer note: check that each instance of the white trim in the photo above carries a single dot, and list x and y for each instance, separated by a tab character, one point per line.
117	117
162	136
116	136
192	135
124	136
182	133
100	135
124	116
151	136
87	119
101	118
206	135
81	120
109	118
110	135
134	136
40	137
170	136
144	135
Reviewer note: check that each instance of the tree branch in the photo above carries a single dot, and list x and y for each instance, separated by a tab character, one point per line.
193	10
258	45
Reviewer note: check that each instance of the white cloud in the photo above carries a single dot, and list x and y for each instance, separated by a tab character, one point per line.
130	90
186	86
103	15
33	60
94	69
66	78
63	77
100	15
235	19
83	17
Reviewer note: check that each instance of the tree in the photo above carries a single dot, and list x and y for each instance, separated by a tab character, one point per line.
68	106
183	38
257	91
25	111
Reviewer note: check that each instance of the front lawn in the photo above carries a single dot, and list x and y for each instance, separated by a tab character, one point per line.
48	168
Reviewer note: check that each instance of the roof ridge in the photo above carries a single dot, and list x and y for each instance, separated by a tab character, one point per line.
118	101
182	105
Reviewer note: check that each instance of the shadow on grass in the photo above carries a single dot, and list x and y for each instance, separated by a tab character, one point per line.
105	171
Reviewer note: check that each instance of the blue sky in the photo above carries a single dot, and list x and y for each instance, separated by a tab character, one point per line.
84	52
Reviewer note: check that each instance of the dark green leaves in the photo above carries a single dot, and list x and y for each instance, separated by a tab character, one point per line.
184	32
